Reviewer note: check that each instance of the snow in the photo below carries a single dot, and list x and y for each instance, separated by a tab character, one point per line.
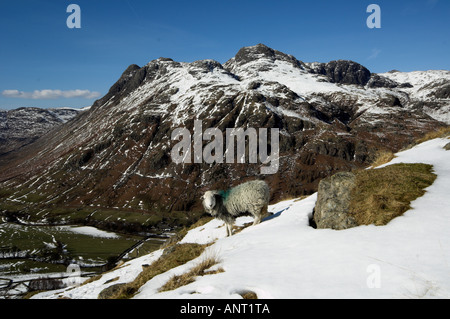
125	273
424	84
89	231
420	80
283	257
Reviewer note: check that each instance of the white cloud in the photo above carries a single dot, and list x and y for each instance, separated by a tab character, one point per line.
51	94
374	55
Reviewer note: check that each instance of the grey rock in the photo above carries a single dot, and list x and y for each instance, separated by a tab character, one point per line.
447	147
110	291
333	201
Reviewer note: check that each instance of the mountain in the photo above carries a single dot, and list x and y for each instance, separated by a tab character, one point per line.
285	258
24	125
112	165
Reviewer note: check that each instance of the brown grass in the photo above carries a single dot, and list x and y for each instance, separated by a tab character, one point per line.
178	255
440	133
249	295
382	157
200	269
385	193
182	232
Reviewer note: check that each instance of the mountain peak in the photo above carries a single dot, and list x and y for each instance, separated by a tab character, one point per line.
263	54
248	54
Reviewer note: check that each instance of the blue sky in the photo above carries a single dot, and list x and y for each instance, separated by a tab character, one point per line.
39	52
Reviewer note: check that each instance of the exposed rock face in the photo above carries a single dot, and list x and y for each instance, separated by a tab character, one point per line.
377	81
333	199
344	72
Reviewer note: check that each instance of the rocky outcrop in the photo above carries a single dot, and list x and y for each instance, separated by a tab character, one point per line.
333	200
378	81
344	72
261	52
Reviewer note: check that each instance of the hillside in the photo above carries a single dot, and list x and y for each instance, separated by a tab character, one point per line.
24	125
284	257
111	166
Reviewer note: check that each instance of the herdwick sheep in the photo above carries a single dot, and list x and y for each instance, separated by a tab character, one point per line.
250	197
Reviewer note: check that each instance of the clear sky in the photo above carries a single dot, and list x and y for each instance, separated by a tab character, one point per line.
43	63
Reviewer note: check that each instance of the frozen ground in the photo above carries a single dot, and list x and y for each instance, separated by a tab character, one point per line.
283	257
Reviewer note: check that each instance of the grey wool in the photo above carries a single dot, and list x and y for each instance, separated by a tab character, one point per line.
247	198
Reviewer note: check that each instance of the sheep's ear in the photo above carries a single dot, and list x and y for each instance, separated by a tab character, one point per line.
202	197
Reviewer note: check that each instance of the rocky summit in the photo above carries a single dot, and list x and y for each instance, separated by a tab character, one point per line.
116	156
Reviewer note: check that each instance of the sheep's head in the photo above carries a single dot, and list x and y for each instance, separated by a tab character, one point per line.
209	200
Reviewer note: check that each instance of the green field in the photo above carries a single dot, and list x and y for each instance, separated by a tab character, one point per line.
44	249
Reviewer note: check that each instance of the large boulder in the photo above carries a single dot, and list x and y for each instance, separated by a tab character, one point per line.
333	201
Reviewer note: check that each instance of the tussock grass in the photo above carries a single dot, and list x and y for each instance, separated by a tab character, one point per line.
178	255
174	255
383	194
440	133
179	235
382	157
200	269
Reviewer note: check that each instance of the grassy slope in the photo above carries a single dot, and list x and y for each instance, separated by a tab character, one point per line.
385	193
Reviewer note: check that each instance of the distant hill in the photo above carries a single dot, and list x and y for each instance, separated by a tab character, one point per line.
24	125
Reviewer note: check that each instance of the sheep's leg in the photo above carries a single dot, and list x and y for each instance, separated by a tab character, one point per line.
257	220
264	212
257	215
229	227
260	214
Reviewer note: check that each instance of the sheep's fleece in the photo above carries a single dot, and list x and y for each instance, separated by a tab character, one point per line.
250	197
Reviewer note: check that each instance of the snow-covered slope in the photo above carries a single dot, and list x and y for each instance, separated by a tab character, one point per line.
283	257
427	86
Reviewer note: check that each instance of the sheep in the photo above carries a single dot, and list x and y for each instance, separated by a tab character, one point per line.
250	197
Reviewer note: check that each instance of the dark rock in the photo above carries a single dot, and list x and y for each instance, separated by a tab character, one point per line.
447	147
125	84
378	81
344	72
206	65
443	92
405	85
